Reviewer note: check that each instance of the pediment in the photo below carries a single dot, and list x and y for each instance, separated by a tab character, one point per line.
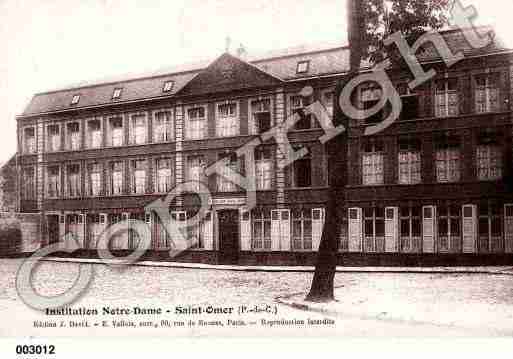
228	73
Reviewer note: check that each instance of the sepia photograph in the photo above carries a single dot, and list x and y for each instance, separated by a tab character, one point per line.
267	169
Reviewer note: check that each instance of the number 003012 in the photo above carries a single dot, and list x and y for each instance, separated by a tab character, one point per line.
35	349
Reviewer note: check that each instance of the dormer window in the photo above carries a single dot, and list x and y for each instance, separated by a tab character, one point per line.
303	67
117	93
75	99
168	86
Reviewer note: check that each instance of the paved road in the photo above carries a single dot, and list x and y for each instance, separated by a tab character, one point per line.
167	288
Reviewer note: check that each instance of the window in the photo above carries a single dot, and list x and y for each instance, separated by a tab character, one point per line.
75	99
139	176
29	140
168	86
374	229
302	229
162	239
117	136
303	67
449	228
223	178
370	95
303	171
487	93
489	162
446	98
297	105
261	115
196	233
73	136
263	168
196	124
227	123
94	134
448	160
327	99
73	180
490	228
138	129
261	229
372	163
116	178
54	138
196	170
410	102
28	185
95	179
53	182
409	161
117	93
164	175
411	229
162	127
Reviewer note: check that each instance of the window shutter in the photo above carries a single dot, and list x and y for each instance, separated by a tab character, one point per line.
82	230
508	227
208	232
285	244
355	229
317	227
148	219
391	229
245	231
62	226
469	228
275	230
428	228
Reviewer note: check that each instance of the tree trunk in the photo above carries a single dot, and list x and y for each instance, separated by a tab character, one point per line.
322	289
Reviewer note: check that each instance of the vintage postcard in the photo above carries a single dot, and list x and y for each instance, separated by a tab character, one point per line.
310	169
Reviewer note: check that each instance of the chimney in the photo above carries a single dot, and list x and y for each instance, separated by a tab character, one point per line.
241	52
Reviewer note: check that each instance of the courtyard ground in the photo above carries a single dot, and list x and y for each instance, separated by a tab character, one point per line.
369	304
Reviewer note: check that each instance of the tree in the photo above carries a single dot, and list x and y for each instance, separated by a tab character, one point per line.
369	23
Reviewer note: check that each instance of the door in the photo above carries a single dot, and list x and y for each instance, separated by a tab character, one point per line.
53	228
228	236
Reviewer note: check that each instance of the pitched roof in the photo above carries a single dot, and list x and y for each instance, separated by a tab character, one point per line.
457	41
281	64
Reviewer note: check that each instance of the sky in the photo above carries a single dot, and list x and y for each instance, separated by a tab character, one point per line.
49	44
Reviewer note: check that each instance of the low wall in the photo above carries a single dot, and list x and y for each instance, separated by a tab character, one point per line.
14	224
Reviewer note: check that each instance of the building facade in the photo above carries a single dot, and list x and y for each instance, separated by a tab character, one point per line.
435	183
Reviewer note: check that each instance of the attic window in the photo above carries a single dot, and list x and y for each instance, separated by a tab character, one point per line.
117	93
303	67
75	99
168	86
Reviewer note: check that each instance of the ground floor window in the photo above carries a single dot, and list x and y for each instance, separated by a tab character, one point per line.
161	239
302	229
411	229
196	233
261	229
490	228
344	233
374	229
449	228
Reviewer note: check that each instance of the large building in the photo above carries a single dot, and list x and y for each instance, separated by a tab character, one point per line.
434	185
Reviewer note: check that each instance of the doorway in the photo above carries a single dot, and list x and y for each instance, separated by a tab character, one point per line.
228	236
52	222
